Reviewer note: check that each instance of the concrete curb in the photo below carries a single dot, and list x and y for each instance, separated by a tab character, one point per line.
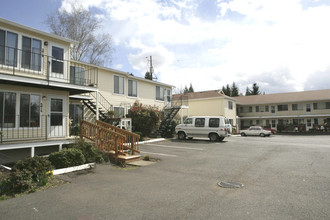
151	141
72	169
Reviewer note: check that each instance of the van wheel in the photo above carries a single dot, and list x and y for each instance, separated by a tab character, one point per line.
181	135
213	137
221	138
262	135
243	134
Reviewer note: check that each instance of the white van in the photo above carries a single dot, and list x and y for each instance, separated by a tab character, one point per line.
214	127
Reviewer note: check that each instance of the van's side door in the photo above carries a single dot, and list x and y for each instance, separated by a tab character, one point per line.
199	127
189	126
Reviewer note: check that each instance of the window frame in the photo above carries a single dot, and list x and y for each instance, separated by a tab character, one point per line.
132	89
230	105
30	111
160	98
120	91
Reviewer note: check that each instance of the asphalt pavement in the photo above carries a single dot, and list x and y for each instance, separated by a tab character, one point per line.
284	177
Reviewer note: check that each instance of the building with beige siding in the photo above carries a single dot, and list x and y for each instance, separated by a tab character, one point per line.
307	110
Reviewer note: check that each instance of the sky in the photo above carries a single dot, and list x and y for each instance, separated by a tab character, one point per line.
282	45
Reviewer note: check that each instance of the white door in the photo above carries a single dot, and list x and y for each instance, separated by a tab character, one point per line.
56	120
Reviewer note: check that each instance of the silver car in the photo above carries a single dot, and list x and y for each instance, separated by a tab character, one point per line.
255	131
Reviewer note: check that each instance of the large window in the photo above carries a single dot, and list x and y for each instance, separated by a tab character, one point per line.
257	108
159	93
31	53
118	85
75	113
132	88
308	107
7	109
282	108
327	105
77	75
315	106
29	110
57	61
8	48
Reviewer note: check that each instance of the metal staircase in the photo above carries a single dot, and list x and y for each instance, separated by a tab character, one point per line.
104	106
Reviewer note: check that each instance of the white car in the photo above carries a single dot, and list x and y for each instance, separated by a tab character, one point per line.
255	131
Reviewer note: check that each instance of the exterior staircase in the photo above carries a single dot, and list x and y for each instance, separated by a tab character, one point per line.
104	106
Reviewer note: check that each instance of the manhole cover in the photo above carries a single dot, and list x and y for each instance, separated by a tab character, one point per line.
230	184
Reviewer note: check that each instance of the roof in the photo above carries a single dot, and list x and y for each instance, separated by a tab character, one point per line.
37	31
203	95
289	97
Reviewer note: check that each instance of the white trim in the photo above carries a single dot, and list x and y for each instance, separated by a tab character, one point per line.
72	169
34	144
284	116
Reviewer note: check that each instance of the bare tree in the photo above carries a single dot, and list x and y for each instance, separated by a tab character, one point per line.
80	25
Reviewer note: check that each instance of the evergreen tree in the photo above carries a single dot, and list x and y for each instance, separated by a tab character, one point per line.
226	90
255	89
191	89
185	90
147	76
234	90
247	92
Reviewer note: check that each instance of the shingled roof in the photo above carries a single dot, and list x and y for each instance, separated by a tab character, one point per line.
289	97
202	95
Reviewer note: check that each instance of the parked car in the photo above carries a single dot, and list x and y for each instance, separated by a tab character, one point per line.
213	127
256	131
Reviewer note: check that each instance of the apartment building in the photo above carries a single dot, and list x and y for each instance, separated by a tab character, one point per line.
304	110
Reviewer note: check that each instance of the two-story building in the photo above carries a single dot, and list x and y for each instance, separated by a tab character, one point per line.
304	110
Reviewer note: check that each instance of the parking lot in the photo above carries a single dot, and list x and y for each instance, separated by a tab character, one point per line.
284	177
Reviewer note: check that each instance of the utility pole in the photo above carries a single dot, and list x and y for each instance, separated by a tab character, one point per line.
151	68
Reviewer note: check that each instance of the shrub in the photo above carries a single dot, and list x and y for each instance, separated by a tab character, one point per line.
20	181
146	157
90	153
169	131
141	135
67	158
4	186
38	166
144	118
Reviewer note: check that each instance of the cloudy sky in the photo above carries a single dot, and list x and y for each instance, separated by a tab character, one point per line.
283	45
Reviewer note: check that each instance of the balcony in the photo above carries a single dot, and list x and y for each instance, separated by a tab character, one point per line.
22	64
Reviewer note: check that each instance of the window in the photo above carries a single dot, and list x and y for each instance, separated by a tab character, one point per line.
282	108
7	109
132	88
76	113
257	108
29	110
327	105
250	108
309	122
8	48
272	109
267	123
77	75
119	112
118	84
56	112
294	107
188	121
308	107
231	121
257	122
230	104
315	106
266	108
199	122
214	122
273	123
316	121
31	53
159	93
57	61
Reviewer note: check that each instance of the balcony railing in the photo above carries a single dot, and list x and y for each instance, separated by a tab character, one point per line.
17	128
37	65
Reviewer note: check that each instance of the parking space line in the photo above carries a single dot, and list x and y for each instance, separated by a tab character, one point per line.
160	154
187	148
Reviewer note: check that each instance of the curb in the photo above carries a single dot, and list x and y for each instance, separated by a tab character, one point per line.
151	141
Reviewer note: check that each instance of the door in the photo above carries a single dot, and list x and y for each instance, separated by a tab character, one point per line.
56	119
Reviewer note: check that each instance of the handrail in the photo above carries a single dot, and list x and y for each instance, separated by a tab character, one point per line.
103	102
104	139
132	139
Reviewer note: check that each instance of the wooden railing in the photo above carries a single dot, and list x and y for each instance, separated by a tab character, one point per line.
104	139
131	139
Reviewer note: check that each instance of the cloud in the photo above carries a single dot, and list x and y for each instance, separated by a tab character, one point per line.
278	43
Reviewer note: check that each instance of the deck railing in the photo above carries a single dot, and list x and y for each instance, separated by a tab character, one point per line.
34	64
131	139
19	128
104	139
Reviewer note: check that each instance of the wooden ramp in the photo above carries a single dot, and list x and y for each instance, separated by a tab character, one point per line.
120	144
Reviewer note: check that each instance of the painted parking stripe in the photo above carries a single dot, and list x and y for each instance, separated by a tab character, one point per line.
187	148
166	155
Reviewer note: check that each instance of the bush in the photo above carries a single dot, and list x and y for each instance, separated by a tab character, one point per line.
4	186
20	181
144	118
170	129
90	153
141	135
38	166
67	158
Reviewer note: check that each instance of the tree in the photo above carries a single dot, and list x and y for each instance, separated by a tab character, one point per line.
254	91
148	76
247	92
80	25
186	90
226	90
191	89
234	90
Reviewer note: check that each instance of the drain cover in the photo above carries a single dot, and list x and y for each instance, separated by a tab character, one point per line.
230	184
